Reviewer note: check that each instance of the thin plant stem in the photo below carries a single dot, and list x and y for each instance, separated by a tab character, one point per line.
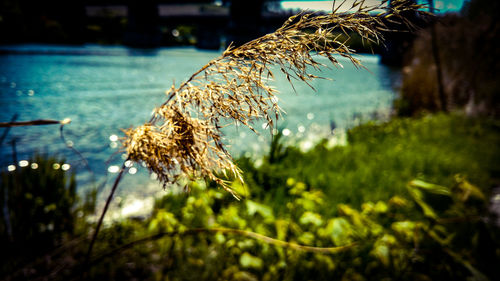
103	214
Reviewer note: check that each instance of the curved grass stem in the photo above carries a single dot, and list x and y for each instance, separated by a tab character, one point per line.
245	233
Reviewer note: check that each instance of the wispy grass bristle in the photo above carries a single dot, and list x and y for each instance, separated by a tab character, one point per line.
184	139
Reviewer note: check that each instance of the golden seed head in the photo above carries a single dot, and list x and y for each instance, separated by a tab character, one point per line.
183	139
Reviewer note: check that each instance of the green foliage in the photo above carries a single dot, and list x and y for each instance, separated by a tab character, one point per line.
394	239
42	217
38	209
408	198
381	159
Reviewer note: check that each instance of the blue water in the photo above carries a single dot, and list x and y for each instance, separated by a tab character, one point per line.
105	89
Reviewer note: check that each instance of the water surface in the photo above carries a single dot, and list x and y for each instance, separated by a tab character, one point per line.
106	89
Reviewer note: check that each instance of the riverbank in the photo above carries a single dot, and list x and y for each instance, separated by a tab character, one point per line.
406	184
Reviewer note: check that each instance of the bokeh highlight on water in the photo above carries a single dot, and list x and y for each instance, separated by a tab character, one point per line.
105	89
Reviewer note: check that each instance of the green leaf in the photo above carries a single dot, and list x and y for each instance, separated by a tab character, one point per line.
340	231
247	260
381	207
311	218
418	197
263	210
429	187
382	253
382	247
467	189
407	229
307	238
240	188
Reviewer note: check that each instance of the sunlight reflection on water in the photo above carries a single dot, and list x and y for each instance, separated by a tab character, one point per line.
106	89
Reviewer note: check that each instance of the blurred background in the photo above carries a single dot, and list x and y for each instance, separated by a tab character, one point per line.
206	24
425	109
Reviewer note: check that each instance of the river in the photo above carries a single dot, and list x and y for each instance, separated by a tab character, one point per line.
104	89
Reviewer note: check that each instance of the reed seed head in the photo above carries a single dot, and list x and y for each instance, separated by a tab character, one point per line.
184	138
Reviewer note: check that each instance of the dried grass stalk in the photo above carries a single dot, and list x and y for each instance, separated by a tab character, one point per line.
184	139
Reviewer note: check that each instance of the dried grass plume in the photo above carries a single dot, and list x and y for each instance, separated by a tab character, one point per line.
184	139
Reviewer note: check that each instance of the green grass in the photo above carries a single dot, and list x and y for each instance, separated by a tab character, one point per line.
380	159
